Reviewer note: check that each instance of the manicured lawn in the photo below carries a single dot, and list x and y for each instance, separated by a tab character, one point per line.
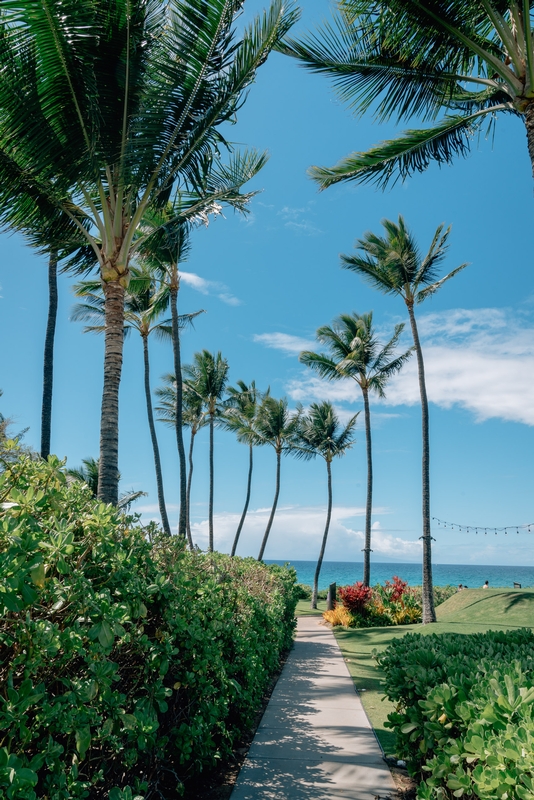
469	611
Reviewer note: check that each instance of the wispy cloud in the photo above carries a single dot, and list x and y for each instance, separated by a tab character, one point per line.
481	360
298	220
210	288
297	532
292	345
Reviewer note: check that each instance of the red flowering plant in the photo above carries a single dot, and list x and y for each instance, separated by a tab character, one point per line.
356	598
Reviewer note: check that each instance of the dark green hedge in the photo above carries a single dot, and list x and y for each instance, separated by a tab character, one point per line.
465	712
124	662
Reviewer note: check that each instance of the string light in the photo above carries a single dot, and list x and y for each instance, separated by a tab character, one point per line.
469	529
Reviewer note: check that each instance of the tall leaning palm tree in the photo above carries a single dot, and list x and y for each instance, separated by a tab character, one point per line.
393	264
321	434
110	108
145	302
355	352
193	417
460	62
208	376
277	427
240	412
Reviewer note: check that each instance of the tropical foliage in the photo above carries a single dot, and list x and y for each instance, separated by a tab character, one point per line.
125	663
109	109
464	712
355	352
320	433
455	64
393	264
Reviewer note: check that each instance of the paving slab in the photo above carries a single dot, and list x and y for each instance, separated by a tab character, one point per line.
314	741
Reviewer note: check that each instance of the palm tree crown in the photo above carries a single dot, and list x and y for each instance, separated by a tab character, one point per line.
470	59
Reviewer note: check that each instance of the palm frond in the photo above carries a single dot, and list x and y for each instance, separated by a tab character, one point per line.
412	152
434	287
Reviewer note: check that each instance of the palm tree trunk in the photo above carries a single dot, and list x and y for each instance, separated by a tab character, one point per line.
275	503
529	122
369	502
325	537
154	438
189	482
108	471
244	514
210	510
182	524
429	614
48	361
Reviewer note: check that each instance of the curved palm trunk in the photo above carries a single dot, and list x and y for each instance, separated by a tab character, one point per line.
154	438
429	614
275	503
210	510
244	514
48	362
189	482
325	537
529	123
182	526
369	502
108	472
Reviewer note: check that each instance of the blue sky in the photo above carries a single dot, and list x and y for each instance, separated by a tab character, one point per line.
267	283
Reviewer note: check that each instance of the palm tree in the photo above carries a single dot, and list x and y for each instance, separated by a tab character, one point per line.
88	473
321	434
145	302
239	416
278	428
114	107
355	352
208	376
416	58
48	360
393	265
193	417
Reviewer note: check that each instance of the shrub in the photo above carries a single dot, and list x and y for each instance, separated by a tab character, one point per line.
464	719
339	616
124	662
355	598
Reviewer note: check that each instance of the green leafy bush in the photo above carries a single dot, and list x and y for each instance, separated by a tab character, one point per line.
464	719
127	665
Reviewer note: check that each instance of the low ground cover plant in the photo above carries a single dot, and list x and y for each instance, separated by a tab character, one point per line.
127	666
464	719
394	603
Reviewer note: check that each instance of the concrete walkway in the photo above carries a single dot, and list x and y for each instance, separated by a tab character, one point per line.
314	741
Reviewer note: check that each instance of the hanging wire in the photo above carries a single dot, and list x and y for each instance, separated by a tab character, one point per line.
518	528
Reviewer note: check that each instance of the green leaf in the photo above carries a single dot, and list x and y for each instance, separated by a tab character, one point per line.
106	636
83	740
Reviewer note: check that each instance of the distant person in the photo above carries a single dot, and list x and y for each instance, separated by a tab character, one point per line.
486	585
460	587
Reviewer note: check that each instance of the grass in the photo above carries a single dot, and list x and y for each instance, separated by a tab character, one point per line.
469	611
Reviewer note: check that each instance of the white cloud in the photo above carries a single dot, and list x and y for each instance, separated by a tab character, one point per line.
285	342
295	219
297	533
209	288
481	360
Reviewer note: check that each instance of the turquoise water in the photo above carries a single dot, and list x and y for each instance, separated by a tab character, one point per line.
346	572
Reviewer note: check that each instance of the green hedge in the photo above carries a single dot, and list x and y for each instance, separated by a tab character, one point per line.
124	662
465	712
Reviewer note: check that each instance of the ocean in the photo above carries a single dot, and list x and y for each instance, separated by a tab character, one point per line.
473	576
